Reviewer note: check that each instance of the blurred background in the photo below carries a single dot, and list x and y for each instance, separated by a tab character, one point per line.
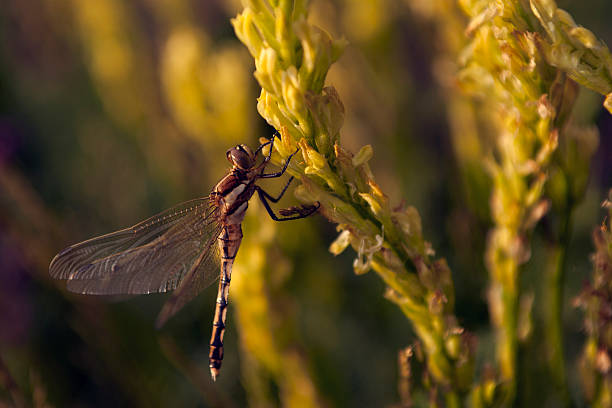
112	110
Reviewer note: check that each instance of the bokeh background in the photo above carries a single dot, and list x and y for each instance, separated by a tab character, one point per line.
113	110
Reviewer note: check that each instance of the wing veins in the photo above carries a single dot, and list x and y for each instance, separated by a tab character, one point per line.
157	260
66	264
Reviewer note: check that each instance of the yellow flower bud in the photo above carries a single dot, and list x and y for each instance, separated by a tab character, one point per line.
340	243
363	156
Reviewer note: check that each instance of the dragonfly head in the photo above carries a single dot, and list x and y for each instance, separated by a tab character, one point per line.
241	156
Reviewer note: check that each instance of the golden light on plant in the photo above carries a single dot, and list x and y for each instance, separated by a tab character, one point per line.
459	148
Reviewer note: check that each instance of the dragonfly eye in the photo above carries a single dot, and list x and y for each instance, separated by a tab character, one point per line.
246	149
241	157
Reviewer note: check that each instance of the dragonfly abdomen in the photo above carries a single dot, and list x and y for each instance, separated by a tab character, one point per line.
229	241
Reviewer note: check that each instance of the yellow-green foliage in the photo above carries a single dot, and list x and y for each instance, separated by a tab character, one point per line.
505	67
524	83
519	80
464	111
574	49
292	58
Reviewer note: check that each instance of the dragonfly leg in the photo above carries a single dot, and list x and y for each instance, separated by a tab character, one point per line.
271	144
261	146
266	159
280	173
276	199
302	212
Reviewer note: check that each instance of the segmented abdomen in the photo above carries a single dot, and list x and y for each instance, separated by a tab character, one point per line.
229	241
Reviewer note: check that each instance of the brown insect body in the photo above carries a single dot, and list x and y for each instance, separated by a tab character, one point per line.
231	196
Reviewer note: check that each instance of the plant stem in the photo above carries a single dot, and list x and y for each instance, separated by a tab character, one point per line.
553	297
504	293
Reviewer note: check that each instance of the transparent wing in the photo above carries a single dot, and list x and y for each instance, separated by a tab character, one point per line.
197	279
152	256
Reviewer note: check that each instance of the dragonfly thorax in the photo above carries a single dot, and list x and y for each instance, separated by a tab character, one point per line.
231	195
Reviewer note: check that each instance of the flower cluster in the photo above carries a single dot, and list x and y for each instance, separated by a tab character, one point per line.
574	49
292	58
527	102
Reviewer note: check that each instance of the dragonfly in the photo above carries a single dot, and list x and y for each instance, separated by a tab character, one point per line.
183	249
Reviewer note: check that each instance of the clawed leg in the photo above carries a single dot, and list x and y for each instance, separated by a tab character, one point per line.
269	156
279	173
302	211
292	213
276	199
271	143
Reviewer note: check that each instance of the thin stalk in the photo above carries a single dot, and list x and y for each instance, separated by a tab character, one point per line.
507	344
553	295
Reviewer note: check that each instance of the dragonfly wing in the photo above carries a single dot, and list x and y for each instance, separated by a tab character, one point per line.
152	256
204	271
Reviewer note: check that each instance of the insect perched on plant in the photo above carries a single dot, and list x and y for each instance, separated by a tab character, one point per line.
180	248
